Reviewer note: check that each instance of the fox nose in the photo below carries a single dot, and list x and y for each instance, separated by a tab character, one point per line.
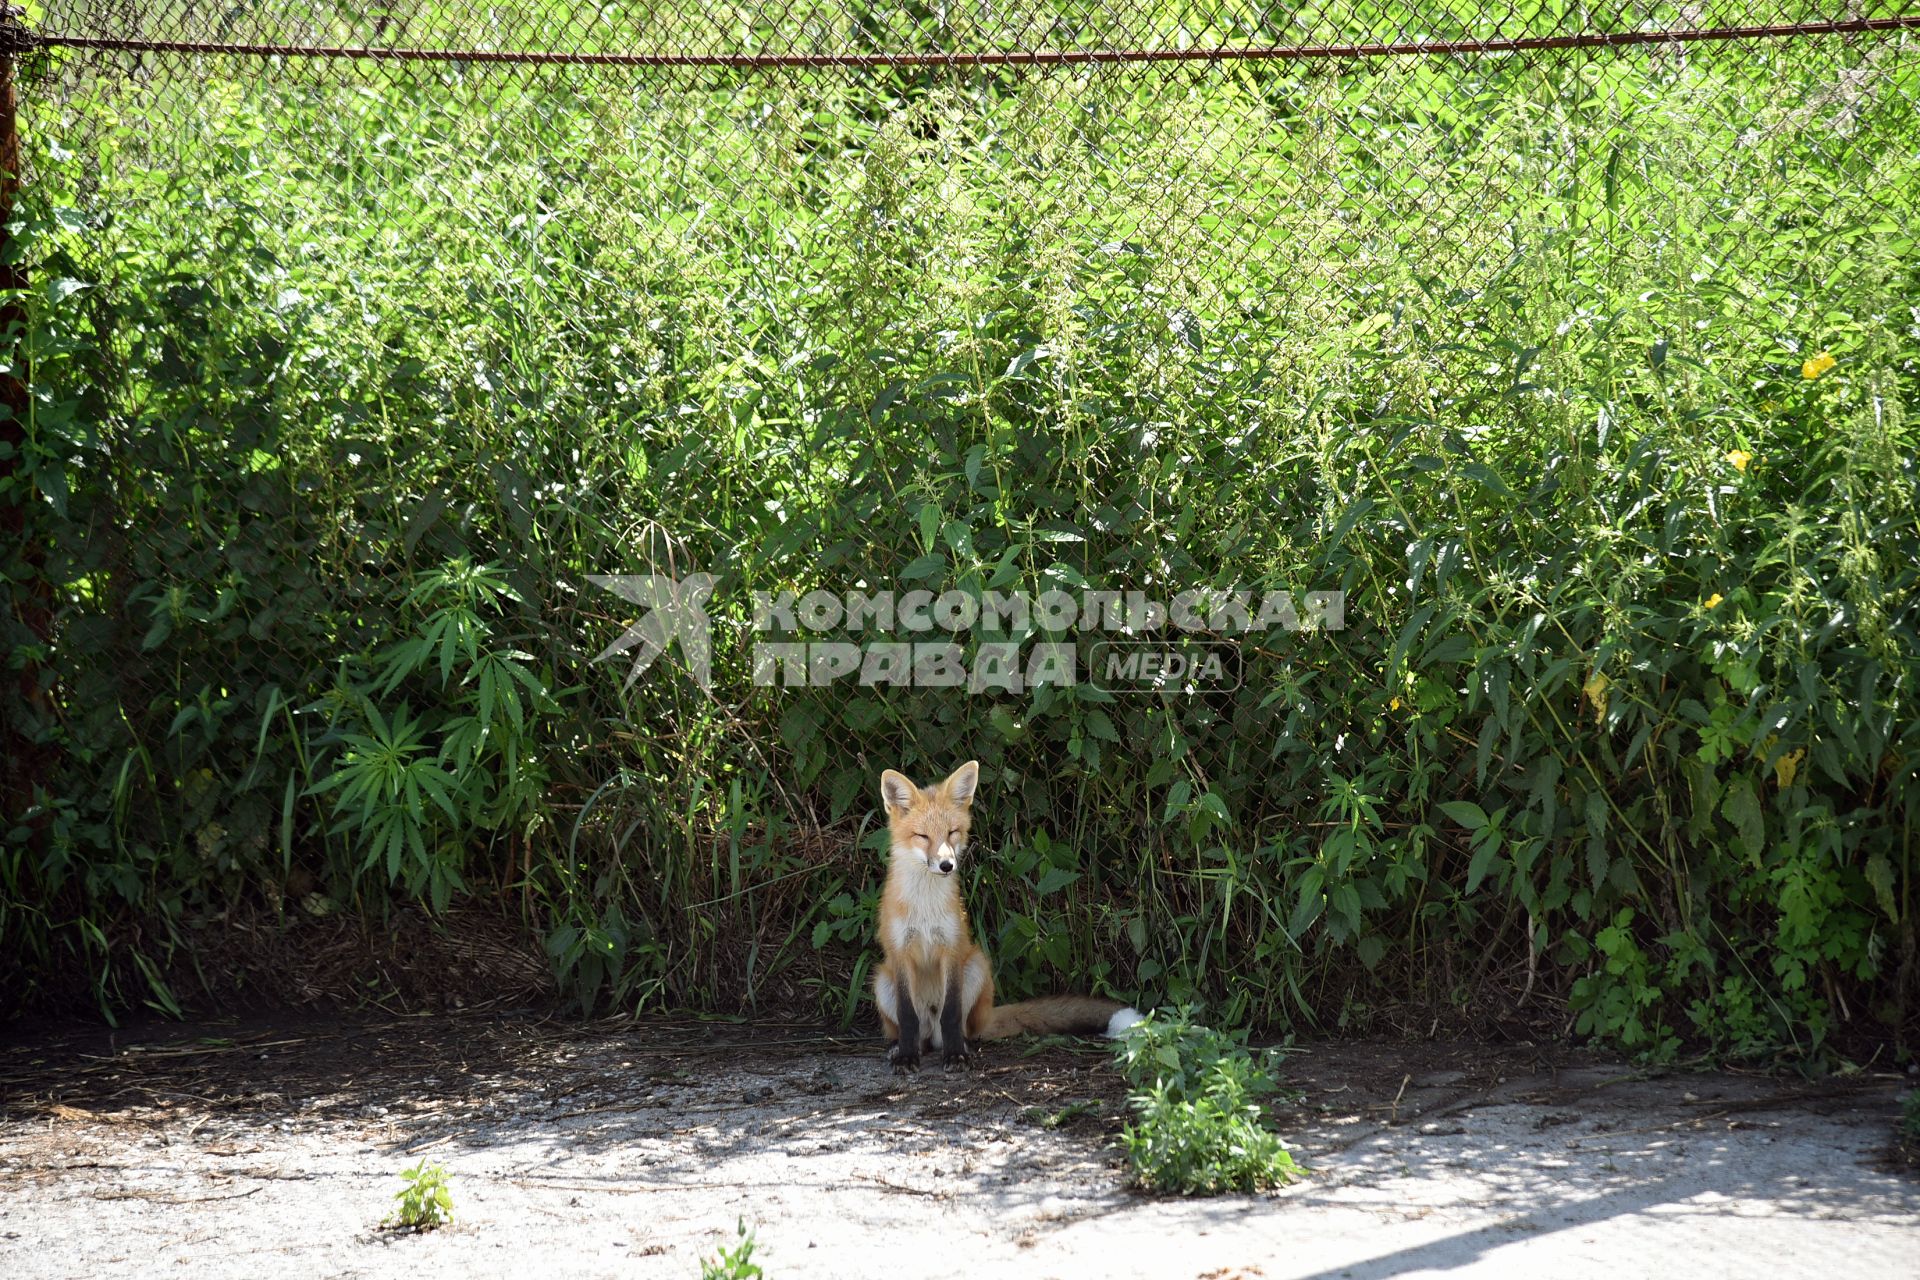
946	866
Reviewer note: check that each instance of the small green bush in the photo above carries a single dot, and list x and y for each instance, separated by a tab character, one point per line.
733	1264
426	1201
1199	1128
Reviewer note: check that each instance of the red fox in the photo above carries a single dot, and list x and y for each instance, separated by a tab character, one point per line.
935	986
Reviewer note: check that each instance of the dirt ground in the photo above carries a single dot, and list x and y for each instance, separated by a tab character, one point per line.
616	1149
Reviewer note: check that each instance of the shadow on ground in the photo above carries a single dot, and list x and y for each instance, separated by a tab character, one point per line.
620	1148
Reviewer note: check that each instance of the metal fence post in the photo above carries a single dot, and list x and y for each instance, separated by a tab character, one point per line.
21	753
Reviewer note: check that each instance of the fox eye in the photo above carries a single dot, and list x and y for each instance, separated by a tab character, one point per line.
919	835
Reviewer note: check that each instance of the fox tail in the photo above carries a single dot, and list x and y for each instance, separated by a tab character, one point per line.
1060	1015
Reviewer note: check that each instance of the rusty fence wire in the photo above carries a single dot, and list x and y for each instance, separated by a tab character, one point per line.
1320	100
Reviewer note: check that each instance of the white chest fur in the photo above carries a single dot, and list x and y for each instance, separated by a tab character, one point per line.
931	919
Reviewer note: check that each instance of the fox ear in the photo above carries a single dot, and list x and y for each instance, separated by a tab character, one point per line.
896	792
963	782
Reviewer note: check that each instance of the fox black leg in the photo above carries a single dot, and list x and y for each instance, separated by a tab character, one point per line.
905	1053
953	1044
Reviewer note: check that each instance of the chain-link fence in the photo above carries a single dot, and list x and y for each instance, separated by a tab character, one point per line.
1122	299
1348	128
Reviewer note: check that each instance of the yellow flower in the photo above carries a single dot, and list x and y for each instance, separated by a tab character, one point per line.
1739	458
1818	365
1713	601
1394	705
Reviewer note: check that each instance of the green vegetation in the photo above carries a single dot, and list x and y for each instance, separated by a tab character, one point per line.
346	378
1062	1117
1198	1127
426	1201
733	1264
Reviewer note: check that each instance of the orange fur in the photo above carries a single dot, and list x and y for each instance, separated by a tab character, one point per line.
928	946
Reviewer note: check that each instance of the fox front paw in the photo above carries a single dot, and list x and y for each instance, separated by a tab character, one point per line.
958	1057
902	1059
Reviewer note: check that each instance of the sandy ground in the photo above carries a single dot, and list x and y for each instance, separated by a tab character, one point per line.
632	1150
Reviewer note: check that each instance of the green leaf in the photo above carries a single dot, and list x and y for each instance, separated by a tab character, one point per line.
1348	519
1054	879
1879	874
1597	859
1311	903
1486	852
1466	813
929	525
1741	807
931	567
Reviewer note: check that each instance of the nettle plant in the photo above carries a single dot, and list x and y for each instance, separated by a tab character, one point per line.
1198	1126
425	1203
